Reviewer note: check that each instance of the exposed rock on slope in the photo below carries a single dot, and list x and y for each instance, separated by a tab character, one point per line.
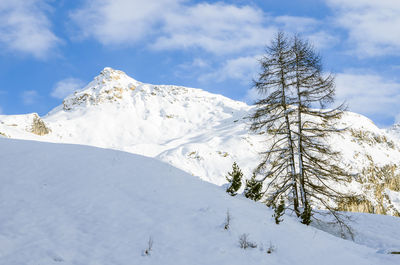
109	86
38	126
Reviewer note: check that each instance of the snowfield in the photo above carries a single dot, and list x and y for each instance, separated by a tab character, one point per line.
80	205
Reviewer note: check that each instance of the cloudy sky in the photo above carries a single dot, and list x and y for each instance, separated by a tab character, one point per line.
49	48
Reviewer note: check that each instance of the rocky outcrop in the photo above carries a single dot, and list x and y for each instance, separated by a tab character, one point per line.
109	86
39	127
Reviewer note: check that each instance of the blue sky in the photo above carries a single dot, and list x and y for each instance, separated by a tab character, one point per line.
48	48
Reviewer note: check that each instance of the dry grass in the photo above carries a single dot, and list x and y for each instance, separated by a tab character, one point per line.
39	127
370	138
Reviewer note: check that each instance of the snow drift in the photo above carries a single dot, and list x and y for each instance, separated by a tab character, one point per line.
79	205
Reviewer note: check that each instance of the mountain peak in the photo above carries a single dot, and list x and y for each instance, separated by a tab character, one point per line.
110	85
109	74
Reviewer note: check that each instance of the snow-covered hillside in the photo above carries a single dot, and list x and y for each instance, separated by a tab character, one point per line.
200	133
80	205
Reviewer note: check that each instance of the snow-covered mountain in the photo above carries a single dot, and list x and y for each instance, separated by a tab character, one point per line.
194	130
201	133
79	205
394	130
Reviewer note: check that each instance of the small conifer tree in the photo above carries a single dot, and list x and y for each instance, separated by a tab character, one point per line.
253	189
279	211
234	179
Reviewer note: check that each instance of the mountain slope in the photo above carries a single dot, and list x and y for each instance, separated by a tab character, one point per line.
79	205
202	134
116	111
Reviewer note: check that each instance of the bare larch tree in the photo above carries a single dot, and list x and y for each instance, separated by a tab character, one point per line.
299	164
273	115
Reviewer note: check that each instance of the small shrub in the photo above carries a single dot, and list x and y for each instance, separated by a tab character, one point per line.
279	211
271	248
227	222
149	248
245	243
223	154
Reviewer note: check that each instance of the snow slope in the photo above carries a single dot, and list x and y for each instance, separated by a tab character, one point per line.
80	205
196	131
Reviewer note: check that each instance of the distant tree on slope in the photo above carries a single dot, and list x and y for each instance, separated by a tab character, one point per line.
235	180
253	189
299	164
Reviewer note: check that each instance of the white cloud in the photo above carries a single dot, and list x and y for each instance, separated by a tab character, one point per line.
121	21
369	94
65	87
373	26
243	69
195	63
322	39
397	118
24	27
296	24
251	96
198	62
216	28
29	97
310	28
